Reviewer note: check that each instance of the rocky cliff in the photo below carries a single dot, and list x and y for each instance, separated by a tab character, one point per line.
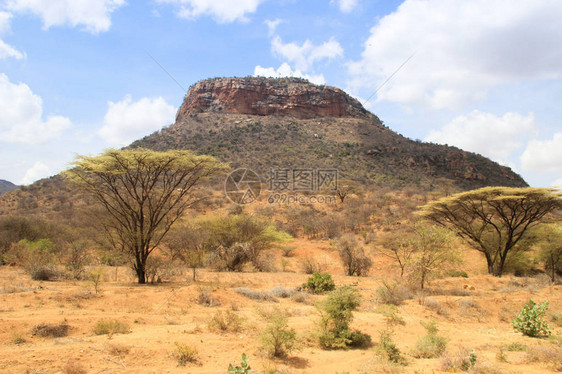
263	96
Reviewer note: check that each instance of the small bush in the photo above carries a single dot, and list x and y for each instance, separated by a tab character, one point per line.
51	330
18	339
353	257
431	345
319	283
336	315
185	353
243	368
389	350
226	321
110	327
549	354
394	293
530	322
277	338
43	273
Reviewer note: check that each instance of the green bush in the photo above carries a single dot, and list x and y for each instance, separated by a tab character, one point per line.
243	368
336	315
389	350
530	322
277	338
456	274
319	283
431	345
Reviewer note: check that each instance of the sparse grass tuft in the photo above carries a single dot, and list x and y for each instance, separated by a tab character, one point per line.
18	339
206	298
431	345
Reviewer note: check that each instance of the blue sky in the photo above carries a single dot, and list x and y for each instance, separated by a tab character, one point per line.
78	76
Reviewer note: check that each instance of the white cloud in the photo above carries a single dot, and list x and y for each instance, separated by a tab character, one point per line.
223	11
126	121
346	6
557	184
484	133
285	70
5	49
21	113
306	54
37	171
543	156
462	49
272	25
93	16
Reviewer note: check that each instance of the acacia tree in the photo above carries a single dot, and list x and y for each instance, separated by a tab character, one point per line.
493	219
188	243
143	193
550	248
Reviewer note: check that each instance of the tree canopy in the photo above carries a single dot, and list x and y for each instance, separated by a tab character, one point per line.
493	219
143	193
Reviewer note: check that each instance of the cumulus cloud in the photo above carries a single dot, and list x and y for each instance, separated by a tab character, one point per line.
487	134
5	49
462	49
93	16
543	156
346	6
126	121
21	113
285	70
223	11
306	54
37	171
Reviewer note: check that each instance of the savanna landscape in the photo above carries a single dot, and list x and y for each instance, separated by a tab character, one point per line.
162	257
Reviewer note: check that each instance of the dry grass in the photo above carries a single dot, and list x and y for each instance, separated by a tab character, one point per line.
51	330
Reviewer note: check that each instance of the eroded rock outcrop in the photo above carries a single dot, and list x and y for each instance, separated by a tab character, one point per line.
269	96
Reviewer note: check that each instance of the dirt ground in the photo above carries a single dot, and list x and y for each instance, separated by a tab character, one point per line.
472	313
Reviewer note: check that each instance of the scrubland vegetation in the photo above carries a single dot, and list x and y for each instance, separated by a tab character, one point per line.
364	285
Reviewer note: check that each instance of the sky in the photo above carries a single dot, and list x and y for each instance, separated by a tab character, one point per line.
81	76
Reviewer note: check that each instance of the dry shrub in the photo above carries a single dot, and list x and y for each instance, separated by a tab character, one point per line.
225	321
456	291
435	306
301	297
256	295
51	330
74	367
310	266
550	354
206	298
266	262
353	257
470	308
110	327
185	353
282	292
393	293
391	314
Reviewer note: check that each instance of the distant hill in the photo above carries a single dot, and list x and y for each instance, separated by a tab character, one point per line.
286	123
265	123
6	186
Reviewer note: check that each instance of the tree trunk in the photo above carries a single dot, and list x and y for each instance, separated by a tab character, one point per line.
194	268
141	275
490	263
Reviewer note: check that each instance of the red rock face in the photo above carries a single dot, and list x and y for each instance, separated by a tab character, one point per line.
269	96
